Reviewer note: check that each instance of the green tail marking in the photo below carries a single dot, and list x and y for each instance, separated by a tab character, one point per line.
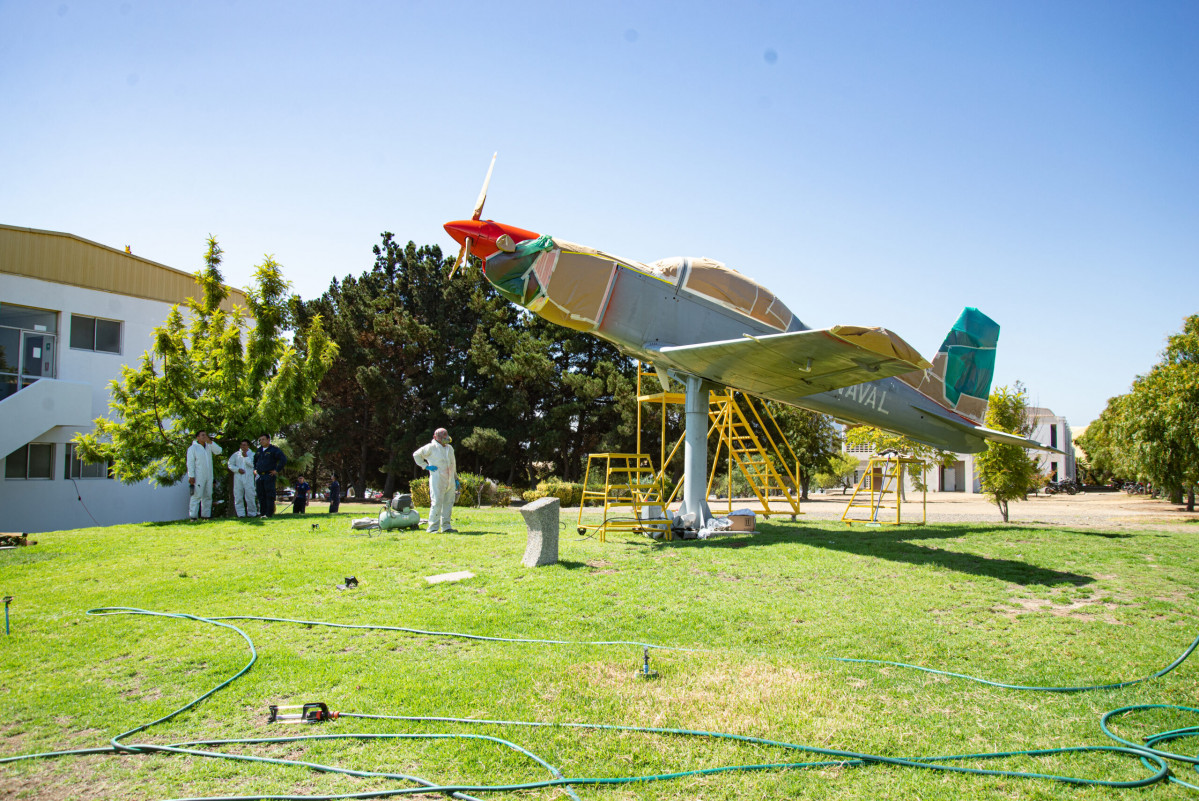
970	351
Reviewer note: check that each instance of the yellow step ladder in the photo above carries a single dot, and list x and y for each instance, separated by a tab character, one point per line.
883	478
750	446
630	483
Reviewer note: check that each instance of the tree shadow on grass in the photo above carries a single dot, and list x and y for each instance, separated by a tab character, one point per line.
245	521
894	544
1085	532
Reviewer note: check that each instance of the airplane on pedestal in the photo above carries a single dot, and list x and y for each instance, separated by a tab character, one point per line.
706	326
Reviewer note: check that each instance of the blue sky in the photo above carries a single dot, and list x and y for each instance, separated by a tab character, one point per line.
872	163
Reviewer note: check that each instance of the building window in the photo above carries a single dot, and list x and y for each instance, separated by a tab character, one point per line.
77	468
92	333
35	460
43	321
1053	436
28	339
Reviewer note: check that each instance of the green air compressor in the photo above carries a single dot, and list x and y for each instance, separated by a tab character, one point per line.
398	513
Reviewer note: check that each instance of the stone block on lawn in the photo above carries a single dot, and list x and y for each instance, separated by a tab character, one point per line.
541	518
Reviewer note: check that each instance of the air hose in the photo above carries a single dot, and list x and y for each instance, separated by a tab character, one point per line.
1154	759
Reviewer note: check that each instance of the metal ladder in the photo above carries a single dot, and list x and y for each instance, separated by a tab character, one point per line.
751	451
630	482
883	476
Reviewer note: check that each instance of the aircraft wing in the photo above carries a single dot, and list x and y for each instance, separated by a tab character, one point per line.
1007	438
798	363
1013	439
983	434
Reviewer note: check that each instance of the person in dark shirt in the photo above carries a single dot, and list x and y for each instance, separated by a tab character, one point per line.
334	494
300	503
269	461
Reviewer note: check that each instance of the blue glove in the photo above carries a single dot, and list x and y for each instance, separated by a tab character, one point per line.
432	468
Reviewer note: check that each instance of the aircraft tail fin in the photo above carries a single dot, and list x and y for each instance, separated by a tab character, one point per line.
960	377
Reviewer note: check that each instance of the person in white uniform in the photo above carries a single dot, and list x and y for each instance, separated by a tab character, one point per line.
199	474
438	458
241	465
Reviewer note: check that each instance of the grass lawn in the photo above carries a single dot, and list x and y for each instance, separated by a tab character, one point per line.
1031	606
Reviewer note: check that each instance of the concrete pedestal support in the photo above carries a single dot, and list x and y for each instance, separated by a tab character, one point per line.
695	452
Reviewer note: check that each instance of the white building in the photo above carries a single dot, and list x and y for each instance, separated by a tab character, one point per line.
72	313
962	475
1054	431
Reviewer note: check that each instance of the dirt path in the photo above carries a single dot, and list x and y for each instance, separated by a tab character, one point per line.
1089	509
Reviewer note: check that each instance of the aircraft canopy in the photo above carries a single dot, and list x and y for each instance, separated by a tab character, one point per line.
724	285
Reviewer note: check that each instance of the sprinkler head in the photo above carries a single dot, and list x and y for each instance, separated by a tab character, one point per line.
645	672
309	713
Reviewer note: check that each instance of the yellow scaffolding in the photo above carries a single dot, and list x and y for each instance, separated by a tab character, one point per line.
663	398
631	482
750	451
883	477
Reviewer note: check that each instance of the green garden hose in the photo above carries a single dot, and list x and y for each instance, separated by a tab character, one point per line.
1154	759
849	660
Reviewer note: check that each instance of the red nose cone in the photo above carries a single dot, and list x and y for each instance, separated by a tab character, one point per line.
484	233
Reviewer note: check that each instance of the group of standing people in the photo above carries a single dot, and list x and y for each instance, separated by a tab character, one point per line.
254	476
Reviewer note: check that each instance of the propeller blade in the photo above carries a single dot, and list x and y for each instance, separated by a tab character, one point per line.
463	255
483	193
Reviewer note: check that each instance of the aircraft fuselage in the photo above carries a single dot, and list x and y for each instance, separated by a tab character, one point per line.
645	314
692	317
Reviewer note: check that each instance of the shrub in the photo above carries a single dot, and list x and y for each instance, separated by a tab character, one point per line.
500	495
568	494
503	495
477	491
468	490
419	489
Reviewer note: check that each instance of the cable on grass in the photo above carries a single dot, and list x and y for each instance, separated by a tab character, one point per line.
1155	760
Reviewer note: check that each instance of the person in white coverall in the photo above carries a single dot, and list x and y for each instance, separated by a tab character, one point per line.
199	474
438	458
241	465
